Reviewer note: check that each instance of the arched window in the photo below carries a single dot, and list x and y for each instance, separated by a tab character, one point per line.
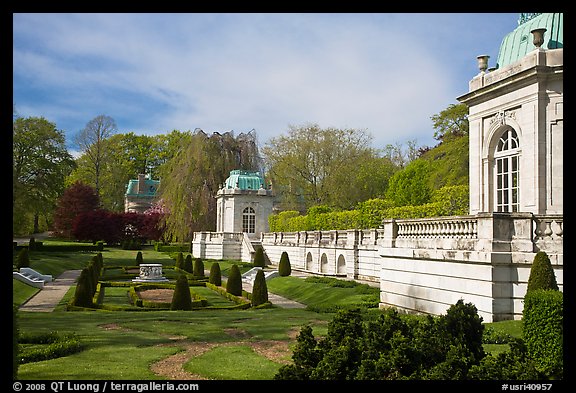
248	220
506	171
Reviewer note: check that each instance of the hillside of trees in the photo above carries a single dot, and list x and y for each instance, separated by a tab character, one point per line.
325	170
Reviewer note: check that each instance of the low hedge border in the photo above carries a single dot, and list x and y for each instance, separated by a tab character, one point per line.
51	345
141	305
134	293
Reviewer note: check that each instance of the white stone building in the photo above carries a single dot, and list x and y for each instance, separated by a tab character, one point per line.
243	205
516	122
516	199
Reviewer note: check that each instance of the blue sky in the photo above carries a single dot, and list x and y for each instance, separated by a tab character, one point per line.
155	72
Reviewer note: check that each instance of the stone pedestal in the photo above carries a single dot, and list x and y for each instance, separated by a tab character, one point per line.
150	272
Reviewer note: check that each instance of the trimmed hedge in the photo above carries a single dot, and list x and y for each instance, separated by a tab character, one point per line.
541	274
446	201
181	300
543	330
284	267
176	247
215	274
234	282
259	289
259	260
50	345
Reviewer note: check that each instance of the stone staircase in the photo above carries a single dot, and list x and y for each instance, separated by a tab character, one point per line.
250	275
31	277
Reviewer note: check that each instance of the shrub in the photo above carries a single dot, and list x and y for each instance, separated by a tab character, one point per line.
541	273
23	258
180	260
198	270
284	268
259	289
234	282
15	336
215	274
182	299
542	330
84	293
51	345
139	258
259	258
188	264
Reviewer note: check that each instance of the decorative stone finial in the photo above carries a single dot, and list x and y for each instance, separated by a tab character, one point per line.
483	62
538	37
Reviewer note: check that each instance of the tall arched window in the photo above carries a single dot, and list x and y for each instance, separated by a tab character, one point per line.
506	167
248	220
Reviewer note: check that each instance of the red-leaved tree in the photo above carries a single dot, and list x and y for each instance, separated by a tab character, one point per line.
76	199
98	225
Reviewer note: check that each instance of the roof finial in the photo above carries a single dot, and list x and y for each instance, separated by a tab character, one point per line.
538	37
483	62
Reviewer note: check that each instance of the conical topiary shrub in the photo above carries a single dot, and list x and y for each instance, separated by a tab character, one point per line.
181	299
259	289
259	260
83	294
179	261
198	267
541	273
139	258
284	268
234	282
23	259
215	274
188	264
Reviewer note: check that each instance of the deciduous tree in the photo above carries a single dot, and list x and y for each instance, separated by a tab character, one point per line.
40	163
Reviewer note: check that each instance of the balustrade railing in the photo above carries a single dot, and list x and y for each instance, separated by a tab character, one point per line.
445	227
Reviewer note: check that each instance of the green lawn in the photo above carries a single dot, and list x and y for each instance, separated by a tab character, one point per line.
125	344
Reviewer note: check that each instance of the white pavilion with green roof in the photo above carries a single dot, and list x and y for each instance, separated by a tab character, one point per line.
243	204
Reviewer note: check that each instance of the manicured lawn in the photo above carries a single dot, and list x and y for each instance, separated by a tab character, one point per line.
228	362
127	344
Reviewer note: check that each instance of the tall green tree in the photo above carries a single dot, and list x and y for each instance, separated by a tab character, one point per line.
191	179
411	185
452	121
40	162
311	165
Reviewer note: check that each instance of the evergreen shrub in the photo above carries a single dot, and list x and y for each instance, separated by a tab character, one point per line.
215	274
259	289
284	267
188	264
234	282
23	259
15	339
139	258
83	293
198	269
541	274
259	260
180	261
182	299
542	330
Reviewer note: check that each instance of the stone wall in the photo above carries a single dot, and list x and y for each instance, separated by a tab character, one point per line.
426	265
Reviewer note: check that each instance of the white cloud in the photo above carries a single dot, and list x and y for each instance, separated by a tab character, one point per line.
155	73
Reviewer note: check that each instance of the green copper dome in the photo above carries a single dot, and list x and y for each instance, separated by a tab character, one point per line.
518	43
244	180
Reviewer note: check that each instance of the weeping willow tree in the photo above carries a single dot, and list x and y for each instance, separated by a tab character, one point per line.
190	180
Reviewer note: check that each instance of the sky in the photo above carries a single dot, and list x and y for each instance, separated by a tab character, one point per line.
384	73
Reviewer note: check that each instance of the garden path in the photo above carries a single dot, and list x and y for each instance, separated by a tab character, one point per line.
47	298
